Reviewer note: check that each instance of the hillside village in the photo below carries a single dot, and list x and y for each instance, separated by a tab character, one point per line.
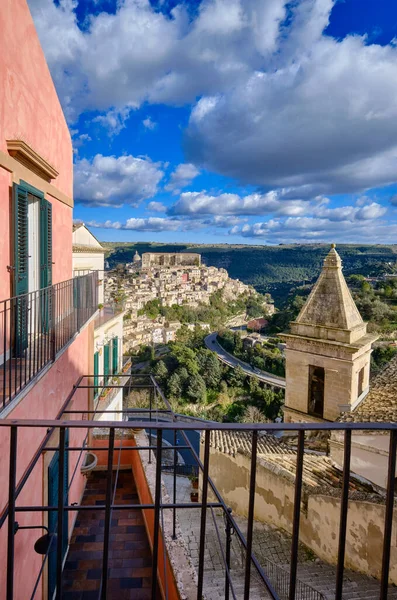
172	279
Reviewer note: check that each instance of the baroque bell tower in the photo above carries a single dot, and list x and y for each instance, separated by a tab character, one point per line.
327	352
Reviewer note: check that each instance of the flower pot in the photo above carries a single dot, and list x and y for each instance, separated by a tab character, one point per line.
89	462
194	496
195	484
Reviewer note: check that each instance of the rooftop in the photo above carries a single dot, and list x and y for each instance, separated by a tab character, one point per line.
239	442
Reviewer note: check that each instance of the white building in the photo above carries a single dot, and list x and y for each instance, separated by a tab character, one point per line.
88	255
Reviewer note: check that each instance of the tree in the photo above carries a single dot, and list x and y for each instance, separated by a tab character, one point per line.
236	377
185	357
175	385
209	367
252	414
196	389
160	371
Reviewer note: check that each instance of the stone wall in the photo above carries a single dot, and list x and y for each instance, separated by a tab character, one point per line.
320	513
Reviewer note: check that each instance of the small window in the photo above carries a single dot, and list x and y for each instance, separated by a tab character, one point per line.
361	381
316	391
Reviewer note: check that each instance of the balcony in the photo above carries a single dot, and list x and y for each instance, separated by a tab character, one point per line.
138	534
35	327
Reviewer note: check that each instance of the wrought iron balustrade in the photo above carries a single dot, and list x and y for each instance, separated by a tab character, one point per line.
35	326
277	583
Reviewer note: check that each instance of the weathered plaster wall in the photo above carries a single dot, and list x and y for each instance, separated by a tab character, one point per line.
369	455
43	401
320	514
29	105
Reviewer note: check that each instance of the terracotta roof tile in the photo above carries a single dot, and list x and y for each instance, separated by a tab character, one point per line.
233	442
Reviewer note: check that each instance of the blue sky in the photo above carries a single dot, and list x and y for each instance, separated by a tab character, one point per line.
230	121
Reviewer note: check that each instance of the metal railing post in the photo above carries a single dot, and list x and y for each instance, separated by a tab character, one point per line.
204	498
343	515
391	478
250	525
11	512
297	512
228	530
61	513
174	490
157	501
108	502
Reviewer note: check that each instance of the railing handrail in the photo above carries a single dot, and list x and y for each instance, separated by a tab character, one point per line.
210	426
48	287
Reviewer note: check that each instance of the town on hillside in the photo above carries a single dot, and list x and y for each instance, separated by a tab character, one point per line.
166	280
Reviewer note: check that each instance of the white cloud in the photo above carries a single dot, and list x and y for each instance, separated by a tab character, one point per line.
156	207
202	203
140	54
148	123
114	120
355	227
281	104
113	181
140	224
181	177
327	119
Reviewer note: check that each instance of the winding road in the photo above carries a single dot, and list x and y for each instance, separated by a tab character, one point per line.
212	344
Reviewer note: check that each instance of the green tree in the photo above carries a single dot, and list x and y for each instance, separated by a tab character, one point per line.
209	367
160	371
175	385
196	389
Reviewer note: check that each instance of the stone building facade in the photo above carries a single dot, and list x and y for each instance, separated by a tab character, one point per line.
327	352
170	259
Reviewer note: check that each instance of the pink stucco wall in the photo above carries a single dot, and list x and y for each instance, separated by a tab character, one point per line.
30	110
43	401
5	228
62	219
29	105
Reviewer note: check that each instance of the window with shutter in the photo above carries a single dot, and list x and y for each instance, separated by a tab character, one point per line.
21	268
115	355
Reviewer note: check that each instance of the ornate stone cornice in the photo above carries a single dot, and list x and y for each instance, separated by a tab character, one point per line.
24	154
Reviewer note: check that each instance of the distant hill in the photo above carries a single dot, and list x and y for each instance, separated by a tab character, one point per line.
274	269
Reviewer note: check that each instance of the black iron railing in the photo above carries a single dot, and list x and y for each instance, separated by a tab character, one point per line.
34	327
278	583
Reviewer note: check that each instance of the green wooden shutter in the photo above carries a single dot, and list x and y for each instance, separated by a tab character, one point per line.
115	355
46	262
45	243
21	241
96	372
21	267
106	362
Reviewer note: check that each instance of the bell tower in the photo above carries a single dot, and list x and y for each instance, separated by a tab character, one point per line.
327	352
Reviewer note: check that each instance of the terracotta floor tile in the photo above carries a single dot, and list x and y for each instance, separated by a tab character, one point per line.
129	550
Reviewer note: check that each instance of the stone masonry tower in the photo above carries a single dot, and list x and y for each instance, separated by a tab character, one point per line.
327	352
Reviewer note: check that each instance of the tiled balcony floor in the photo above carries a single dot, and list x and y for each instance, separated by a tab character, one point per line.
130	556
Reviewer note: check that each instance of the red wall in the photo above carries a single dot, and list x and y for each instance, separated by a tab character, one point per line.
43	401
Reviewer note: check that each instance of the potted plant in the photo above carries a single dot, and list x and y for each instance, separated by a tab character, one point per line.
194	481
194	496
